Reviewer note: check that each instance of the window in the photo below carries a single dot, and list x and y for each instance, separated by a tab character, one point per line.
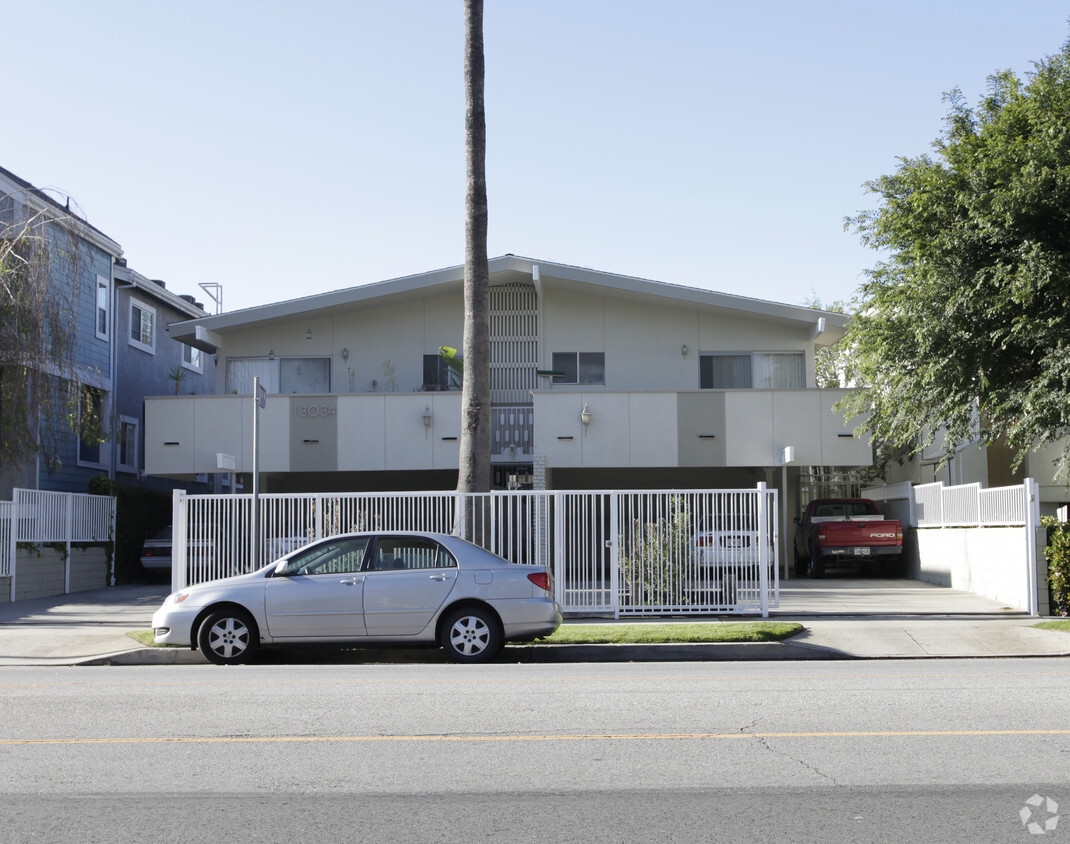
336	556
191	358
752	370
436	373
410	552
724	372
91	425
304	375
288	376
579	367
142	326
779	371
240	374
103	290
128	444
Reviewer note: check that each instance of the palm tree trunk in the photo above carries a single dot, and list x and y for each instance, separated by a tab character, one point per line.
474	469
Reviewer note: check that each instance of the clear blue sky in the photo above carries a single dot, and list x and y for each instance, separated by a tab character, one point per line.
283	149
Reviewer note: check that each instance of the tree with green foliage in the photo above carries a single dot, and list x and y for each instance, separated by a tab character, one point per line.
832	364
962	330
40	387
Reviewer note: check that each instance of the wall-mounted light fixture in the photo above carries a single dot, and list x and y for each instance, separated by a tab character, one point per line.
427	417
271	354
308	334
345	354
683	350
585	415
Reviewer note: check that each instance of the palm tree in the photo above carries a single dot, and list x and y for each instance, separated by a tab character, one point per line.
474	469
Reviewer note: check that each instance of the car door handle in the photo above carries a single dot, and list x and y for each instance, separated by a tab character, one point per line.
442	577
351	581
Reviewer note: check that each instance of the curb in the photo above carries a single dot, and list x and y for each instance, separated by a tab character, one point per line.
690	652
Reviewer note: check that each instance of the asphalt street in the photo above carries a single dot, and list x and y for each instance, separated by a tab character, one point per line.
878	750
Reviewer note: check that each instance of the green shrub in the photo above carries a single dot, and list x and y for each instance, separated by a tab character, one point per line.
139	513
655	555
1057	554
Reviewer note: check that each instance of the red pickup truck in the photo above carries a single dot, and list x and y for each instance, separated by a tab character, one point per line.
839	531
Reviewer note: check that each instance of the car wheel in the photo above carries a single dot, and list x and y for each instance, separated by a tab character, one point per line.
801	565
471	635
228	637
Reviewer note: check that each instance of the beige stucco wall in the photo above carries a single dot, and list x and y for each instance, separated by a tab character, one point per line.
643	341
735	428
649	413
303	433
399	334
729	428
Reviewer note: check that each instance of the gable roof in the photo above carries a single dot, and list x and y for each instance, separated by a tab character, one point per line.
206	332
155	289
43	202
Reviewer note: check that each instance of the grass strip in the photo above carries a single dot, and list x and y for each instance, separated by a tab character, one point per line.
1055	624
148	639
653	633
647	633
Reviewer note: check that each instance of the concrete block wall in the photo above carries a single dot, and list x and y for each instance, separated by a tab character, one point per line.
43	576
89	569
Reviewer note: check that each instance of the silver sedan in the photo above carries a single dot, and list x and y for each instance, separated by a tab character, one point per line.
367	589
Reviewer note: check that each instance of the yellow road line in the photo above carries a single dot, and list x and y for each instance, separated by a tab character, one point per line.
541	738
527	680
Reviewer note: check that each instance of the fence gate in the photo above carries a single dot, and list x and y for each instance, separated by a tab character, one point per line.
645	552
585	553
697	552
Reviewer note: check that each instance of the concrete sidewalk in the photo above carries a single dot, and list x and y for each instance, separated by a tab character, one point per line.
847	618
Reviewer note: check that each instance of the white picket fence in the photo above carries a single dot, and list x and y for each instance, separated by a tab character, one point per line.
985	541
37	516
611	553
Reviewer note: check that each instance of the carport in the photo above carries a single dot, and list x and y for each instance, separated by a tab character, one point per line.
984	543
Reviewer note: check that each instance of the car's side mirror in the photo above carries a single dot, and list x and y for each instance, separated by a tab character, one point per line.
797	520
280	569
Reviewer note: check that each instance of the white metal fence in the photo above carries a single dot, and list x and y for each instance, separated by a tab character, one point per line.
969	505
37	516
618	553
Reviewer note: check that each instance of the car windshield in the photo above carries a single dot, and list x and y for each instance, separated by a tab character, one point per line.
728	521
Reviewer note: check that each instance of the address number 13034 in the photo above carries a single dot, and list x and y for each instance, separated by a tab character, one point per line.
305	411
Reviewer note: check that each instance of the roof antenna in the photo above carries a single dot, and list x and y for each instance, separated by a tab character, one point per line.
214	291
